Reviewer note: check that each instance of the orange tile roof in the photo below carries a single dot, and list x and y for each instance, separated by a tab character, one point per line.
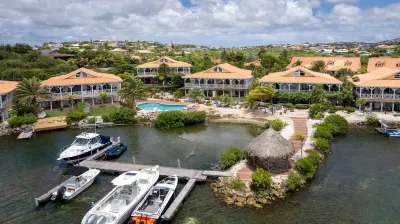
7	86
313	78
377	78
171	63
386	62
228	72
96	78
386	46
338	62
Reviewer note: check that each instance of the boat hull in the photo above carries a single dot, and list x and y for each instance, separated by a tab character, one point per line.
88	184
80	157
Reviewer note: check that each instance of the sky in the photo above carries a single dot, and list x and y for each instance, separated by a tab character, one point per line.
226	23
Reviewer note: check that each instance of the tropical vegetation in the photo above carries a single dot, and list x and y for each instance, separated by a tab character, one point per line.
176	119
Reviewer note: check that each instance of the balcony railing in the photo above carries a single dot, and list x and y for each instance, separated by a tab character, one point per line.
378	96
155	73
86	92
293	90
210	86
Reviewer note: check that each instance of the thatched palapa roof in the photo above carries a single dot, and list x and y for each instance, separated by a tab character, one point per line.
270	144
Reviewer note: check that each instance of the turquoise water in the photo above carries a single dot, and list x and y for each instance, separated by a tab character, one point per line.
159	106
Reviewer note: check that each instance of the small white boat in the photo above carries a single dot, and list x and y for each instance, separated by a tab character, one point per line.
41	115
76	185
26	134
117	206
154	203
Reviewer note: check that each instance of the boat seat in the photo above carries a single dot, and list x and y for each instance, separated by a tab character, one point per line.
117	204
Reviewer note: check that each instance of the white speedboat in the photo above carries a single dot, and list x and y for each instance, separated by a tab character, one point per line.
84	146
117	206
153	205
76	185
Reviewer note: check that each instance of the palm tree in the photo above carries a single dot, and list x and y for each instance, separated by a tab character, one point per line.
297	63
360	103
132	90
318	66
70	97
163	72
103	96
30	92
301	138
196	94
262	93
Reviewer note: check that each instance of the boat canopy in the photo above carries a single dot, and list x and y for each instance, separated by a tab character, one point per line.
127	178
85	135
77	170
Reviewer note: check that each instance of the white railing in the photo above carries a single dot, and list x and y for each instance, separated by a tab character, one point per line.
293	90
85	92
146	73
378	96
216	85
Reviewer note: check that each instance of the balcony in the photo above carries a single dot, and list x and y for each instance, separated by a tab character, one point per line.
378	96
292	90
217	86
87	93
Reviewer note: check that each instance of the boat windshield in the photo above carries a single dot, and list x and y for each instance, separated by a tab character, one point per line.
80	142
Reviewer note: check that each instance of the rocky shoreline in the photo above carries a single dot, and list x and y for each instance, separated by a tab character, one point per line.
6	130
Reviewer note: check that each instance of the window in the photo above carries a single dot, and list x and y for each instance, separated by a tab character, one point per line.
330	62
299	73
348	63
398	65
379	64
78	75
164	60
84	75
217	69
397	76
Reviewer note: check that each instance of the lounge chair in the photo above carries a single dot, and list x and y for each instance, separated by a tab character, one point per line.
396	114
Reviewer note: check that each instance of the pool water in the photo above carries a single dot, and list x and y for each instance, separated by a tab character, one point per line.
162	107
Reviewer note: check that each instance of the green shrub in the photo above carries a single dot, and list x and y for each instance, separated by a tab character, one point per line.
91	120
323	131
340	124
306	167
314	155
209	103
302	106
339	108
288	105
76	115
294	181
277	124
267	125
237	184
350	109
261	180
21	120
179	93
176	119
332	110
321	145
316	109
372	120
231	156
80	106
123	115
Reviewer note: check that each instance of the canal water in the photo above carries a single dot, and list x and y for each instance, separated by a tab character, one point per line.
358	183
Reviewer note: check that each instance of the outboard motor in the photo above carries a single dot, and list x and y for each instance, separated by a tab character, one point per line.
92	219
58	196
102	220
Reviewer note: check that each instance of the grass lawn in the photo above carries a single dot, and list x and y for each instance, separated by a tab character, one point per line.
95	111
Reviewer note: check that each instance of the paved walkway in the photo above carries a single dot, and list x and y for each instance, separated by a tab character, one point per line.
300	126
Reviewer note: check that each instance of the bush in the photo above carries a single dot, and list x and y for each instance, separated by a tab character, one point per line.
316	109
277	124
314	155
302	106
261	180
176	119
91	120
294	181
267	125
237	184
306	167
123	115
21	120
321	145
338	108
179	93
332	110
288	105
231	156
75	115
340	124
209	103
323	131
372	120
350	109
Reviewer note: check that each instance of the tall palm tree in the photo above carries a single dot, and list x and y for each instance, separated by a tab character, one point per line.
132	90
103	96
196	94
70	98
30	92
262	93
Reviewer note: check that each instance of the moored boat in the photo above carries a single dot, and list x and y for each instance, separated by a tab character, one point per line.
116	151
155	202
84	177
117	206
84	146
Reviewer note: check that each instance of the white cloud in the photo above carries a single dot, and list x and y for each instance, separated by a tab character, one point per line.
215	22
341	1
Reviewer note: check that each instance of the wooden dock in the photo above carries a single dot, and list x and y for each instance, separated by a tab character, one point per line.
46	196
176	204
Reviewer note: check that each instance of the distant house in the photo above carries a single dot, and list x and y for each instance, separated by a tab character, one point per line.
299	79
332	63
221	79
6	95
56	54
377	63
388	49
119	51
341	51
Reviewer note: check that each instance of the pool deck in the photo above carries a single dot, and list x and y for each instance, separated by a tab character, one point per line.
151	100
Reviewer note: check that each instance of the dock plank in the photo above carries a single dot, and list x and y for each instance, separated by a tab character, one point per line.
46	196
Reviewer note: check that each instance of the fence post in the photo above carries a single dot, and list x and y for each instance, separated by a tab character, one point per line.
134	160
179	163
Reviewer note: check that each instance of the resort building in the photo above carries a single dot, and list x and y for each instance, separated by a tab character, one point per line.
6	95
149	71
221	79
332	63
300	79
380	88
377	63
84	85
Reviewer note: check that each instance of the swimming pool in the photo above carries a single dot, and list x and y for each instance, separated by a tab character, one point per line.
159	106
